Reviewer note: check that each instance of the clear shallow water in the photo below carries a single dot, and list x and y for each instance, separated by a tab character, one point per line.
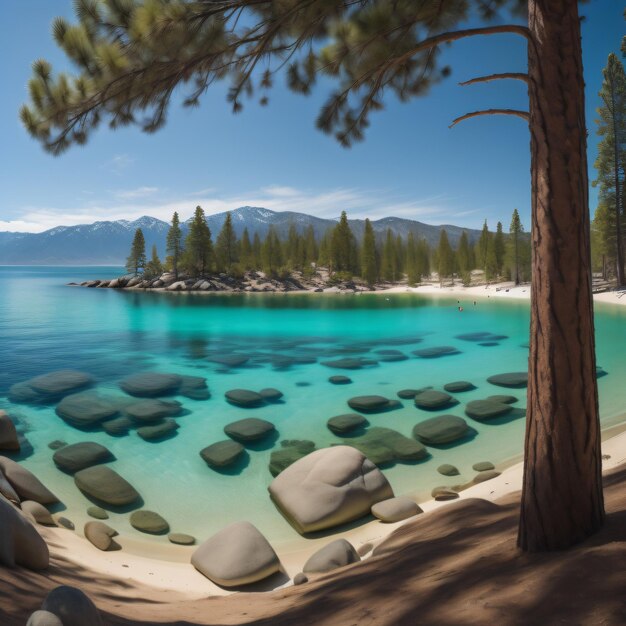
46	326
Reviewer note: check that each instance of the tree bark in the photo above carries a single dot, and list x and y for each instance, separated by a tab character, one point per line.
562	501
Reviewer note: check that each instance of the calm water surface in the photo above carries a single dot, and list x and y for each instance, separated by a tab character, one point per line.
46	325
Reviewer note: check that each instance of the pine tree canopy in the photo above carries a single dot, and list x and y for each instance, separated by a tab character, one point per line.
131	55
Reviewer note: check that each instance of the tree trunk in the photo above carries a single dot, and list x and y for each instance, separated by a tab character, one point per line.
562	501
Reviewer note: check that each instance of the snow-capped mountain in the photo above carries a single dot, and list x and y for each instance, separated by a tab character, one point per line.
108	243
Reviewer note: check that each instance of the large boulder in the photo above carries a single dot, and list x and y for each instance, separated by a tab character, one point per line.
245	398
151	384
117	426
7	491
329	487
435	352
86	409
38	512
515	380
249	429
78	456
237	555
194	388
338	553
484	410
291	451
60	383
222	453
391	356
441	430
158	430
72	607
105	485
8	434
459	386
395	509
350	363
372	404
25	483
385	445
152	410
339	380
21	543
433	400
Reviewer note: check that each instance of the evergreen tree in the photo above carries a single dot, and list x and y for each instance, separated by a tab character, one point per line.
400	257
271	253
445	258
293	248
137	258
174	244
198	245
129	61
323	254
343	254
516	230
226	246
491	260
499	249
310	247
482	247
423	255
413	269
611	160
257	259
463	254
603	238
154	268
389	259
369	262
245	251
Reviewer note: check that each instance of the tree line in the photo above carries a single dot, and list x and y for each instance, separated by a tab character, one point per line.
390	258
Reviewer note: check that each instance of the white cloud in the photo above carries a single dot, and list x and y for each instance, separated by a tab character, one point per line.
119	163
327	204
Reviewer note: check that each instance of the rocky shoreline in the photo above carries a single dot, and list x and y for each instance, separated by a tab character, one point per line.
250	282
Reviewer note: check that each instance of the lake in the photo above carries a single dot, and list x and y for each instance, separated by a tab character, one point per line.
46	325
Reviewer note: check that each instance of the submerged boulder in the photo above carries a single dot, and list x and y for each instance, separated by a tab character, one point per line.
158	430
100	535
441	430
448	470
328	487
151	384
338	553
510	379
60	383
372	404
339	380
245	398
435	352
149	522
270	394
86	409
384	445
342	424
237	555
249	429
106	485
484	410
459	386
8	434
432	400
117	426
291	451
222	453
350	363
153	410
78	456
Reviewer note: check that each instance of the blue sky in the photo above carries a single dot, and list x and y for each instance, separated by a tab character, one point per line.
410	165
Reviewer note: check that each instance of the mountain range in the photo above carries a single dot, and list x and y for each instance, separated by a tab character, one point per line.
108	242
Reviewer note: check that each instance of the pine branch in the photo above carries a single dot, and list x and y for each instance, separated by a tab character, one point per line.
486	79
523	114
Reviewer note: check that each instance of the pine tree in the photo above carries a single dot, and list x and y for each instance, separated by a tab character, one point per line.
482	247
154	268
445	259
310	247
369	262
128	55
611	160
343	247
388	260
293	248
256	251
463	253
323	254
516	231
414	275
400	257
174	243
423	255
137	258
245	251
491	260
499	248
271	253
199	254
226	246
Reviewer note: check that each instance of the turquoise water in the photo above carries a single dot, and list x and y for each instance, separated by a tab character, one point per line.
46	325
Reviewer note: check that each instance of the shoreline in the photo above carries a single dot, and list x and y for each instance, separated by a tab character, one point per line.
167	567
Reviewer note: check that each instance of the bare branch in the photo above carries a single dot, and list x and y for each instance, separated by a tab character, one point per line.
523	114
486	79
